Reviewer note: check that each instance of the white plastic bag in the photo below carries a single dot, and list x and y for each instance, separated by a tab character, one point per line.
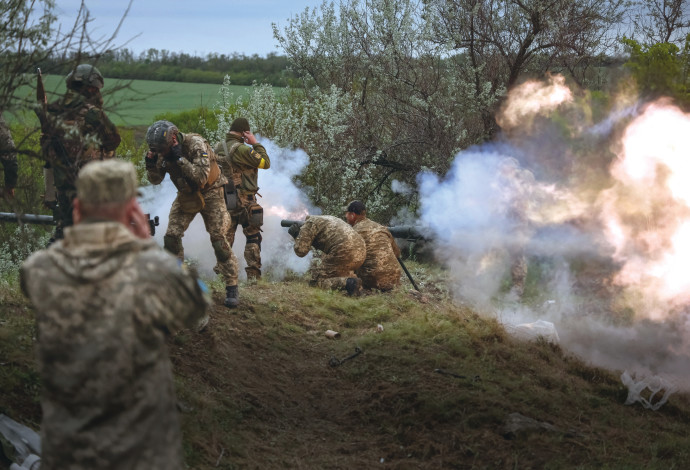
653	384
532	331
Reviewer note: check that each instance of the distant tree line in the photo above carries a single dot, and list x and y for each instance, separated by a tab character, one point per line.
168	66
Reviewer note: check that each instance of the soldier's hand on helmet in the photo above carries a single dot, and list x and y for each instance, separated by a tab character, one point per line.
175	153
294	230
249	138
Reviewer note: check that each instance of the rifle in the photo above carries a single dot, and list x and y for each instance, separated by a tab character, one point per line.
49	131
40	219
42	99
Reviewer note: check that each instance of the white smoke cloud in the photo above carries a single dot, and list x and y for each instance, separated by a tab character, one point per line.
280	198
472	214
401	187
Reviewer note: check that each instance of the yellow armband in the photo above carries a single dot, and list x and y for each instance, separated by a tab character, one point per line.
262	164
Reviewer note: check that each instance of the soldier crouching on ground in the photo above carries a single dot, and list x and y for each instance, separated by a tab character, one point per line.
380	269
105	298
192	166
343	251
241	164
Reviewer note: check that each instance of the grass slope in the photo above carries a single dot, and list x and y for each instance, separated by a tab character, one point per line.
256	389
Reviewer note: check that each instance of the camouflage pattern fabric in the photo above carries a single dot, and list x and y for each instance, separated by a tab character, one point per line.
252	248
380	269
215	218
343	249
8	155
79	132
188	175
105	301
242	169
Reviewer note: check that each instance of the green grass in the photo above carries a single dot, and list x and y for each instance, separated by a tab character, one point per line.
142	100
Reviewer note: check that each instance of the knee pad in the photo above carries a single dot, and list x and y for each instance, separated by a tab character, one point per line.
256	239
172	244
221	249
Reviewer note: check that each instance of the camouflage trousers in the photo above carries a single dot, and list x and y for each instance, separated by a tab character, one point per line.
333	269
252	247
382	279
215	217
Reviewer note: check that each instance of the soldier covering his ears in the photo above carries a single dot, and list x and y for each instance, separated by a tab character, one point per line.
191	164
241	164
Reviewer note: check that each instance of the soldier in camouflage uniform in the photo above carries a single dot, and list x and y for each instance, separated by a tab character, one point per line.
105	298
76	131
8	158
192	166
241	164
380	269
343	250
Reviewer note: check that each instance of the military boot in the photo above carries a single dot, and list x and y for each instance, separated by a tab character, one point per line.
232	296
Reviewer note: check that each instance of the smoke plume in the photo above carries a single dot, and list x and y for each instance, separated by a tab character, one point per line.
601	212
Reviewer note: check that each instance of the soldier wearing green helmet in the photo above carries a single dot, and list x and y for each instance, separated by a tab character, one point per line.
75	131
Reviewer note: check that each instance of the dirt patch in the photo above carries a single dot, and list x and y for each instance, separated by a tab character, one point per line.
292	409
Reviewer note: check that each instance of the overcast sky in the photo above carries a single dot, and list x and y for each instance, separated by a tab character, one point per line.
197	27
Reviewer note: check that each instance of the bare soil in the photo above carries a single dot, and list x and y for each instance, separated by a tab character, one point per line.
294	410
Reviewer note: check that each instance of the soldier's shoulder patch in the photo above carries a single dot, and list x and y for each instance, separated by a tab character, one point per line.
256	155
204	154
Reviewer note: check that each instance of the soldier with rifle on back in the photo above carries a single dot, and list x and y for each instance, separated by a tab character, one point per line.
75	131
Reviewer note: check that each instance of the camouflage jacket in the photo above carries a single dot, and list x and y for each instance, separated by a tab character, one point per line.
104	302
242	167
328	234
78	132
382	251
8	155
196	170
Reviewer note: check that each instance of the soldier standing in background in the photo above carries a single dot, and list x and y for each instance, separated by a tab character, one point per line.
76	131
380	269
343	250
240	164
106	297
192	166
8	158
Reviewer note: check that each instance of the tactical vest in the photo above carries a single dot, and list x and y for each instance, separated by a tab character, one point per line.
236	174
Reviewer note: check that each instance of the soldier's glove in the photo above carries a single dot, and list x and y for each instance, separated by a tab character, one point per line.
150	160
175	153
294	230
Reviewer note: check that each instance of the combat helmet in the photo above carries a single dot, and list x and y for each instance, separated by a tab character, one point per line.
84	75
159	135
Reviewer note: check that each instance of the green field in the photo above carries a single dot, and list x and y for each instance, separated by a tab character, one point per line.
141	100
